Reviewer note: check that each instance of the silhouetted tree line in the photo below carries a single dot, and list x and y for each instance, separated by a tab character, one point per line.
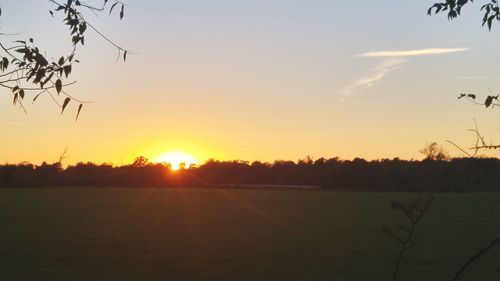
456	175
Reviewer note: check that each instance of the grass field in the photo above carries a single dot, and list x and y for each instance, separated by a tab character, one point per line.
195	234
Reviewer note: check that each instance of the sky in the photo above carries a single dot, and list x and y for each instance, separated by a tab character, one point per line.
258	80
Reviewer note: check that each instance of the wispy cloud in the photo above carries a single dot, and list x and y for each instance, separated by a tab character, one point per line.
412	53
377	74
393	60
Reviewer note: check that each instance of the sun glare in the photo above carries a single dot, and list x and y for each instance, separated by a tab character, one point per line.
177	159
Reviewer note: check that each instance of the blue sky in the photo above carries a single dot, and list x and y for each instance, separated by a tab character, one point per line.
259	80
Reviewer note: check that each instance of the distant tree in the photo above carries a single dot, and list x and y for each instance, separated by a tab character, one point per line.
25	68
141	161
433	151
183	165
306	161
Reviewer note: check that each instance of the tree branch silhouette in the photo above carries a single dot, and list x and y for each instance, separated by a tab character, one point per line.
475	257
490	9
25	68
480	143
414	211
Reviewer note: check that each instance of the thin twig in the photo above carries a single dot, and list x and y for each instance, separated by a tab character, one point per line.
473	258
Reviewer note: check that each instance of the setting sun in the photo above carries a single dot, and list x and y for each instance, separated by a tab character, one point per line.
176	159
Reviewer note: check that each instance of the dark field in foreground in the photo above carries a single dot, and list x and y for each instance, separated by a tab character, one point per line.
199	234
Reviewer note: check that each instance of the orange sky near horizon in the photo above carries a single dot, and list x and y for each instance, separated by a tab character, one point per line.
258	80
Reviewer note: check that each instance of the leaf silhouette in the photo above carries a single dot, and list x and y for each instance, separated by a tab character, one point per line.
5	63
67	70
489	101
48	78
78	112
65	103
122	12
36	97
82	27
490	20
112	7
58	85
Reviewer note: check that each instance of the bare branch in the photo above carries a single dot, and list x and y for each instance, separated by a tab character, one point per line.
414	211
461	149
475	257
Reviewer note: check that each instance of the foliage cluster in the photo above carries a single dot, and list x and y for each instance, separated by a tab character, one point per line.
453	8
26	68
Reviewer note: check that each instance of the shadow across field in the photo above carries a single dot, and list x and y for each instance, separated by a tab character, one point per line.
225	234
